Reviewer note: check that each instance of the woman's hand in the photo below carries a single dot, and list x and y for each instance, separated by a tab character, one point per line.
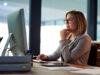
64	33
42	57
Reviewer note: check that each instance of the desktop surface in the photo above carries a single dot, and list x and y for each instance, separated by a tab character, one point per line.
37	69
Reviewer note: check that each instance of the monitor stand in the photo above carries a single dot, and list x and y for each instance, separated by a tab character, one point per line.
6	45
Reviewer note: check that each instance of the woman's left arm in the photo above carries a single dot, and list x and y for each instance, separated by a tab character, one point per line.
81	47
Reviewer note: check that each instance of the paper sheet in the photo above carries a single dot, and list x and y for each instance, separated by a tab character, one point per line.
63	68
94	71
88	71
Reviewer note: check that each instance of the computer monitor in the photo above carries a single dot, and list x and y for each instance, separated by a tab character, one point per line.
17	34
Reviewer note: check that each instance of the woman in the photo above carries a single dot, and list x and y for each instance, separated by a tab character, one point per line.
75	44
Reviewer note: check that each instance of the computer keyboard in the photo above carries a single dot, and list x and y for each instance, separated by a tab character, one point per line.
39	61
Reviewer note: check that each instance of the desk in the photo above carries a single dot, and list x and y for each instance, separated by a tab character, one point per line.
37	69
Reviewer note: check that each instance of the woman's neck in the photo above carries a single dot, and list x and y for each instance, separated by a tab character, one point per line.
72	36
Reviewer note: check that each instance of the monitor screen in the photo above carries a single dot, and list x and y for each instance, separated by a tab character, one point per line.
17	33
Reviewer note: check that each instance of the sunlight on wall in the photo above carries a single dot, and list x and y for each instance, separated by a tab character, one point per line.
50	38
4	34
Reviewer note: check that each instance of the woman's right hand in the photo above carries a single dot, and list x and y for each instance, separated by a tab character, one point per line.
42	57
64	33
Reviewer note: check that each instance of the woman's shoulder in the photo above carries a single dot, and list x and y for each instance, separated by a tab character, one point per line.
85	36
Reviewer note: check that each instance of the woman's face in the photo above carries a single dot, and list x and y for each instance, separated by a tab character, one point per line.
71	24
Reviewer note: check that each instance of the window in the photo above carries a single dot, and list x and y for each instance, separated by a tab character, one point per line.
53	15
98	21
6	7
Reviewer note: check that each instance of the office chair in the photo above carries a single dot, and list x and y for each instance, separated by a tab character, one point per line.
92	55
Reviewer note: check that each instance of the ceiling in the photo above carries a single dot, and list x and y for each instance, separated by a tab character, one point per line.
51	9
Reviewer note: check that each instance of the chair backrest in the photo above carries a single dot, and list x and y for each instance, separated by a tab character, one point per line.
92	55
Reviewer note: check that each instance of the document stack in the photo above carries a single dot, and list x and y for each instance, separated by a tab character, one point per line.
15	63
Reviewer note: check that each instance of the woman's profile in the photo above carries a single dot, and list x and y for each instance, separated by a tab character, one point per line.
74	46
